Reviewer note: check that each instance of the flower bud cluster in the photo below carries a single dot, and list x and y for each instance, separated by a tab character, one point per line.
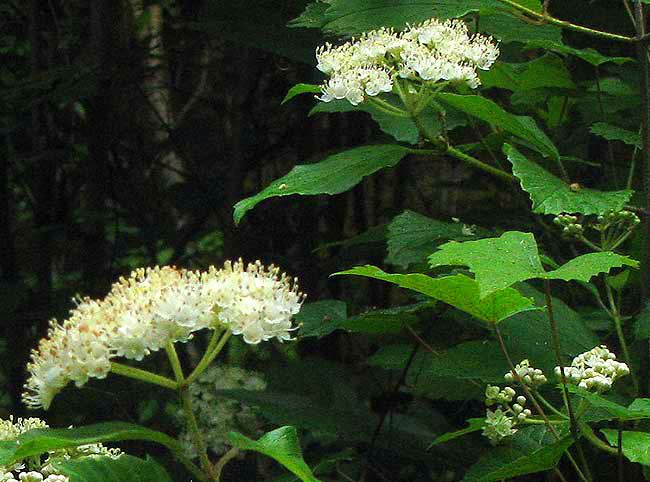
431	51
533	377
154	307
596	369
34	469
569	224
622	218
501	422
217	415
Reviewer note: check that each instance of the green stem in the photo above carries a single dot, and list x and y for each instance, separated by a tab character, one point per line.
587	433
175	363
548	405
546	18
143	375
227	457
208	357
616	316
589	243
195	434
387	108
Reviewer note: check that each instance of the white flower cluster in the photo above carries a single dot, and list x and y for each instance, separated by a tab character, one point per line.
533	377
218	415
156	306
595	369
430	51
502	422
34	469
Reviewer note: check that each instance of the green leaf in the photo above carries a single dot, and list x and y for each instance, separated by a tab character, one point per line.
458	291
475	360
510	28
613	133
551	195
41	440
282	445
490	112
109	469
412	236
475	424
642	324
321	318
636	445
300	89
389	320
518	260
588	55
333	175
313	17
639	409
545	71
525	455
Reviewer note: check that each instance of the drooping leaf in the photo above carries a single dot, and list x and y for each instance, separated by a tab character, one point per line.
636	445
546	71
475	424
300	89
614	133
41	440
109	469
280	444
525	455
458	291
551	195
412	236
490	112
333	175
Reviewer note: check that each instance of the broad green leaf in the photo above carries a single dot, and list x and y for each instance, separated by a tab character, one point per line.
41	440
637	410
490	112
588	55
109	469
636	445
475	424
518	260
412	236
373	235
282	445
389	320
524	455
321	318
402	129
510	28
333	175
551	195
546	71
458	291
613	133
300	89
313	17
477	360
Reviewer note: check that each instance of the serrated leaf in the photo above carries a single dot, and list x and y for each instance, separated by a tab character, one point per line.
300	89
636	445
458	291
488	111
333	175
110	469
519	260
546	71
41	440
282	445
411	237
551	195
475	424
518	458
614	133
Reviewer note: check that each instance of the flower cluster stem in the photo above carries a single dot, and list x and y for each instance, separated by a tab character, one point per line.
143	375
195	434
215	346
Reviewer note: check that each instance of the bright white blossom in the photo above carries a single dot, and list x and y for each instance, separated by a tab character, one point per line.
431	51
503	421
498	426
533	377
217	415
596	369
154	307
40	469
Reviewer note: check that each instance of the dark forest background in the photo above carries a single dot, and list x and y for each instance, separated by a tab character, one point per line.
129	129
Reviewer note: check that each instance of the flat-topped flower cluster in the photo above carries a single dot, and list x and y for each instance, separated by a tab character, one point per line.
596	369
154	307
430	51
